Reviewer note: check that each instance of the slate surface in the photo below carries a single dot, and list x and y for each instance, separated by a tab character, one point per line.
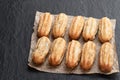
16	23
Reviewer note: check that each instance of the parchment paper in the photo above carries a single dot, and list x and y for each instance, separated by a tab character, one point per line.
62	67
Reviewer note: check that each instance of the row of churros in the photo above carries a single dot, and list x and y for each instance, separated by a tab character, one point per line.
74	53
88	28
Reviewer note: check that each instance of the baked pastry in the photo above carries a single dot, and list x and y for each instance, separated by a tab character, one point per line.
60	25
88	55
90	29
73	54
57	51
105	30
76	27
106	57
45	24
41	50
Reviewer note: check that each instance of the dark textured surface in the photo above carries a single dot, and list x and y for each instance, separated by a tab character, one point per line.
16	23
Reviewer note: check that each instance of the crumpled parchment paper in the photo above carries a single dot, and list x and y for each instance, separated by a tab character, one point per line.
62	67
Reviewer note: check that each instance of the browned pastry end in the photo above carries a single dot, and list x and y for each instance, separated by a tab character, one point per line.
60	25
76	27
105	30
45	24
106	57
88	55
41	50
57	51
73	54
90	29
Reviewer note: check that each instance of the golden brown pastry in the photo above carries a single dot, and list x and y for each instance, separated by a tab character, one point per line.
76	27
88	55
45	24
90	29
105	30
60	25
41	50
57	51
106	57
73	54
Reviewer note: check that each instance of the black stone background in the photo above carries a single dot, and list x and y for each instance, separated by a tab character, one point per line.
16	27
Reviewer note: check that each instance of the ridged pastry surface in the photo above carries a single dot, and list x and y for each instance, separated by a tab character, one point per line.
88	55
105	30
60	25
73	54
41	50
106	57
76	27
90	29
57	51
45	24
